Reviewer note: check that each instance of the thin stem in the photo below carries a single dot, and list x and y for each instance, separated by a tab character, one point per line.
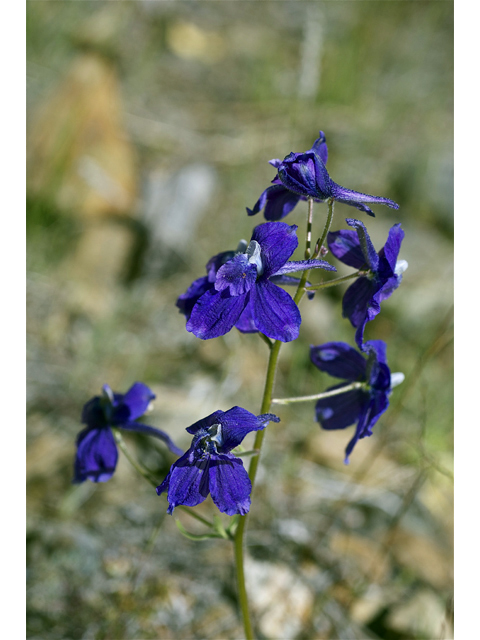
266	403
252	472
319	396
308	241
195	515
136	465
335	281
328	224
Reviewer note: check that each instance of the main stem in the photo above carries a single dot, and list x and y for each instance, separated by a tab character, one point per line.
260	435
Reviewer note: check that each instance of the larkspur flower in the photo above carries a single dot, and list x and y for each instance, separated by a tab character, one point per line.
304	175
242	290
209	466
361	302
97	453
368	400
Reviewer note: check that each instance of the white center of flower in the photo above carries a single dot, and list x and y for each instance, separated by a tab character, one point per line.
254	255
400	267
396	379
215	434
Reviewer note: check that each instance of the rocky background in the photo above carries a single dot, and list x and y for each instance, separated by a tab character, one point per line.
150	129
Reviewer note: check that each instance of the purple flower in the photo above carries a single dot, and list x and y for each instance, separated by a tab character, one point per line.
209	467
241	290
97	453
361	302
304	175
364	403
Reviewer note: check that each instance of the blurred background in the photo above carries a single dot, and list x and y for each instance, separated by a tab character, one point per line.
150	127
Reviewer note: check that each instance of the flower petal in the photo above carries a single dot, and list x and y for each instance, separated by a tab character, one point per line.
260	203
276	314
297	174
303	265
230	485
215	314
246	322
93	414
280	201
339	412
236	424
189	299
345	246
214	264
187	483
238	275
339	359
137	399
320	147
97	455
277	241
359	301
377	405
356	198
392	245
368	250
156	433
205	423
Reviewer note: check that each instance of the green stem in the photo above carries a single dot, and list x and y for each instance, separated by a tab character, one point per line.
308	241
319	396
328	224
335	281
141	470
260	435
195	515
252	472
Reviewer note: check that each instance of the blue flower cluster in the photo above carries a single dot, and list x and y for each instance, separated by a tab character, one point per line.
241	289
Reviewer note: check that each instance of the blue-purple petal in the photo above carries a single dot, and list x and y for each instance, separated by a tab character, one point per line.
341	411
187	483
280	202
97	455
368	250
345	246
304	265
137	399
246	321
236	424
276	314
93	414
298	174
189	299
355	198
205	423
358	301
215	314
392	245
238	275
278	241
156	433
340	360
320	147
230	485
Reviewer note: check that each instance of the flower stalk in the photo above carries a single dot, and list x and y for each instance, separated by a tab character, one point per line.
320	396
260	435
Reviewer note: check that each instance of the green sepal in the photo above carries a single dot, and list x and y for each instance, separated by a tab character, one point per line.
232	527
195	536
